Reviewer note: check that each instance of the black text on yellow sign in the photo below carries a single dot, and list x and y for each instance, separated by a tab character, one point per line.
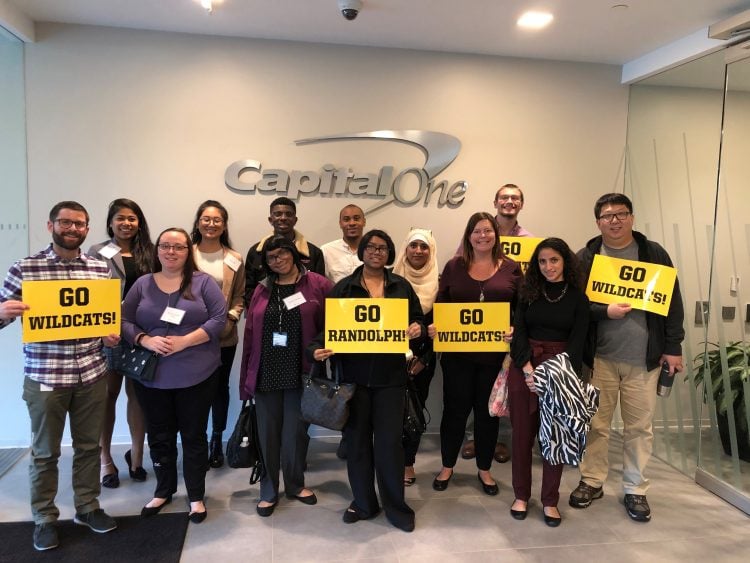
471	327
519	249
642	285
359	326
69	309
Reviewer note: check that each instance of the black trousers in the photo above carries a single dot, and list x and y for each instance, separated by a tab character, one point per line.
374	450
169	411
283	441
220	404
466	387
422	382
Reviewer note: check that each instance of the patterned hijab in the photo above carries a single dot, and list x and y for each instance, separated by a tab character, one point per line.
425	280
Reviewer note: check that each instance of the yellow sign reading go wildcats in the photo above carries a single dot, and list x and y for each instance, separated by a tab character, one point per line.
471	327
359	326
642	285
69	309
520	249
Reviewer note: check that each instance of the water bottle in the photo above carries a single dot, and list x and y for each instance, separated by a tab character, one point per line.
664	387
245	442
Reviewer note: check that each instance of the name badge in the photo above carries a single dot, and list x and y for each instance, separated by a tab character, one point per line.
279	339
110	250
172	315
294	300
232	261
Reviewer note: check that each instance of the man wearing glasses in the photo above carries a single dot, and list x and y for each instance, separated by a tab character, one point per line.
283	218
626	349
63	377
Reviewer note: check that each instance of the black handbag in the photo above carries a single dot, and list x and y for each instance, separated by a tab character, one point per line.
137	363
415	423
243	450
325	401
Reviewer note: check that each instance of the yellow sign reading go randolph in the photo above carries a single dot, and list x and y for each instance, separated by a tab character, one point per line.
471	327
520	249
69	309
642	285
358	326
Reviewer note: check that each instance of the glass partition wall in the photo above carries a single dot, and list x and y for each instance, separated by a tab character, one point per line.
687	166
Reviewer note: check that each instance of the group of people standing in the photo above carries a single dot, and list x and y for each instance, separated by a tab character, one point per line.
184	296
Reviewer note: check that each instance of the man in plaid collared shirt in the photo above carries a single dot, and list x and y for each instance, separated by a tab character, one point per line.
63	377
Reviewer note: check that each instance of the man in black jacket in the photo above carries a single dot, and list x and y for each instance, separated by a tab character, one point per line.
626	348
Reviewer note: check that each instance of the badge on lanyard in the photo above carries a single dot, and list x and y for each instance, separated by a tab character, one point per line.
172	315
279	339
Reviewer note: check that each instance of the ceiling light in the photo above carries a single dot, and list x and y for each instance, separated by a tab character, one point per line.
535	20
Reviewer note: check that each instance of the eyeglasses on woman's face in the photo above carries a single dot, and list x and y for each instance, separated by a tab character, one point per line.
166	247
278	255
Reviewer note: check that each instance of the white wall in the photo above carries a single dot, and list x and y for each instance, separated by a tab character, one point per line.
158	117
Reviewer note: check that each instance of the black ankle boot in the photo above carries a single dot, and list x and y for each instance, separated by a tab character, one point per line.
215	452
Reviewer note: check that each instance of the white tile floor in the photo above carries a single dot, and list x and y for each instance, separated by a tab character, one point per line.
459	524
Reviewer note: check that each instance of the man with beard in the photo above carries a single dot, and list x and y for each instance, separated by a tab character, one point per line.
62	377
341	255
283	218
508	202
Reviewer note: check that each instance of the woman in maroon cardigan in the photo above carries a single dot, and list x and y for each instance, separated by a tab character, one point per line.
479	273
285	313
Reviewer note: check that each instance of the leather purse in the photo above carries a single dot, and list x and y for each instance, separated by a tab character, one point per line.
138	363
243	449
415	422
325	401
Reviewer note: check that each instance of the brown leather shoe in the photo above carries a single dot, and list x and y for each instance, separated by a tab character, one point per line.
469	451
502	455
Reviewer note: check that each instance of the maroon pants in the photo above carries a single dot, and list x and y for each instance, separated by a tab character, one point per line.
524	419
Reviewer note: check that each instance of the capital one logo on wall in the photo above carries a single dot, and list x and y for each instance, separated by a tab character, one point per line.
384	187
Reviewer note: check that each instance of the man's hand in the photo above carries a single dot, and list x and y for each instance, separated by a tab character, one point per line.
618	310
675	363
11	309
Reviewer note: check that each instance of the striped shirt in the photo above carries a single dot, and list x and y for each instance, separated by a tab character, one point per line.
59	363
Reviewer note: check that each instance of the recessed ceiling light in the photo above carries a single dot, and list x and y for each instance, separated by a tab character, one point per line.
535	20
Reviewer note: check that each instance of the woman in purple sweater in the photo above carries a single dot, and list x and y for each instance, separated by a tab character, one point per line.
179	313
286	311
480	273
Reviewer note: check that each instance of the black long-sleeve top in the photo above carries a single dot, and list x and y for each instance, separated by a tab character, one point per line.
564	321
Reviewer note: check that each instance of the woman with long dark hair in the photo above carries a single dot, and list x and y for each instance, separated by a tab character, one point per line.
285	313
129	253
214	255
480	273
177	312
552	317
373	430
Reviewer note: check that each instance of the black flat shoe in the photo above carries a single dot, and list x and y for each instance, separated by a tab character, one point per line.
197	517
552	521
353	515
491	490
441	485
138	474
308	500
519	514
148	511
409	481
111	480
265	511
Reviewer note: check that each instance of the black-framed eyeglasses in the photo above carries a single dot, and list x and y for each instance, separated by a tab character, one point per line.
374	249
67	223
281	255
609	217
209	220
164	247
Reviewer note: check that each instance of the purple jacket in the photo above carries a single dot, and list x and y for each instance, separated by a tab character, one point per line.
314	288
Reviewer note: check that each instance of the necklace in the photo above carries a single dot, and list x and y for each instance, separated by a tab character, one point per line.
367	289
556	299
481	292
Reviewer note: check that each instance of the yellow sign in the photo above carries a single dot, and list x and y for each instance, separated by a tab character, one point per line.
642	285
520	249
363	326
471	327
69	309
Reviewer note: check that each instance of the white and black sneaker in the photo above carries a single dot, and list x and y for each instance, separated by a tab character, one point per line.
45	536
638	508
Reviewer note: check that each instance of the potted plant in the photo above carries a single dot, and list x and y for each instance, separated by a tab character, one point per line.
707	367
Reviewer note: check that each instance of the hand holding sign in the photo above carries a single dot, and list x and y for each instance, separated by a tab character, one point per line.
618	310
11	309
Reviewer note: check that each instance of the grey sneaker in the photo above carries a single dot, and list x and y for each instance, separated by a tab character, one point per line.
584	495
638	508
45	536
97	520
